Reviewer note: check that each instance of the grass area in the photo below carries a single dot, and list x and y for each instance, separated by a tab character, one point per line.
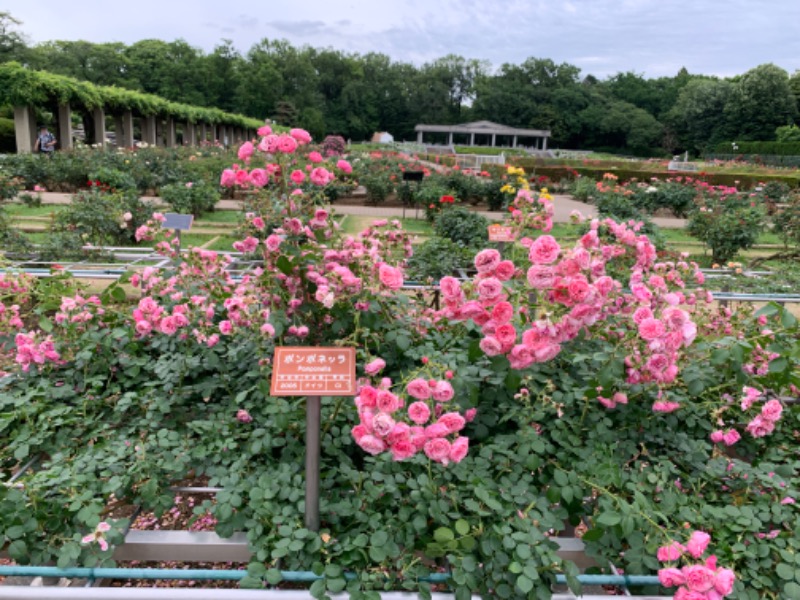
355	224
220	216
23	210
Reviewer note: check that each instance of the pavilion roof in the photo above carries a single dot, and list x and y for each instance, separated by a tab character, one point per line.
483	127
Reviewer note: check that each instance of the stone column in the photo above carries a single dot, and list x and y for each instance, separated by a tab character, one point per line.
471	139
159	132
544	143
213	133
514	143
419	137
149	130
126	141
118	129
99	117
24	128
189	137
65	127
170	132
203	132
494	136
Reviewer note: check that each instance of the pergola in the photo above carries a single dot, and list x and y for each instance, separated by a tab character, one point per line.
488	130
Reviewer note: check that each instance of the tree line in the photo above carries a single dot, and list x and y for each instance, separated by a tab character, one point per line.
329	91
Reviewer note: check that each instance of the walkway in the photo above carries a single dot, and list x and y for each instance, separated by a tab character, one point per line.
564	206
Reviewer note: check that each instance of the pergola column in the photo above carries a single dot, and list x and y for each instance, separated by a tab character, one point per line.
514	143
203	132
170	132
65	126
213	131
126	141
544	143
189	137
24	128
149	130
118	127
471	139
99	117
450	138
494	135
419	137
159	132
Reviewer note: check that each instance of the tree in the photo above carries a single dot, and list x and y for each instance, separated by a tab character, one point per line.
760	101
12	42
698	116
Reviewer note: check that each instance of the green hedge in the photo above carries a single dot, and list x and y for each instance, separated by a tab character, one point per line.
739	180
21	87
776	148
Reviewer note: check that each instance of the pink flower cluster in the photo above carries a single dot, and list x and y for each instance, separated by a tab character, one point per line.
527	212
426	426
78	310
33	352
696	580
760	425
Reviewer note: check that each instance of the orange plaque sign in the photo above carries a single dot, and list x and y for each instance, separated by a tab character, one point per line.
310	371
500	233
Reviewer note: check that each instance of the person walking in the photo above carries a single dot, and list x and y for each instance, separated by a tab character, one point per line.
45	142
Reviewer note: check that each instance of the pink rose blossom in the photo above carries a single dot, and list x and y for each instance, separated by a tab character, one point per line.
699	578
246	151
371	444
419	389
698	543
544	250
391	277
419	412
731	437
443	391
315	157
486	261
438	449
453	421
344	166
459	449
301	135
671	552
243	416
374	367
671	577
771	411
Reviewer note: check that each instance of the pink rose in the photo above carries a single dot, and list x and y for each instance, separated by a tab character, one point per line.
453	421
723	581
228	178
451	288
273	242
731	437
699	578
438	449
286	144
698	543
243	416
225	327
771	411
419	389
502	312
759	427
505	270
671	577
489	289
264	130
541	277
419	412
459	449
388	402
301	135
544	250
315	157
491	346
670	552
297	176
382	424
391	277
375	367
443	391
717	436
246	151
403	449
344	166
371	444
650	329
486	261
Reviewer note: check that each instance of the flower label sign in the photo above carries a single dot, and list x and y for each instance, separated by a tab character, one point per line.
313	372
309	371
500	233
177	221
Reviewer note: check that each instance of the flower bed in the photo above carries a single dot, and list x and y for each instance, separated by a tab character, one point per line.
561	386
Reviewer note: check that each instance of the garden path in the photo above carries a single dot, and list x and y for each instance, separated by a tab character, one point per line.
563	204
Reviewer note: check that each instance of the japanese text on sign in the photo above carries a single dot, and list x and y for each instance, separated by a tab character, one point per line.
304	371
500	233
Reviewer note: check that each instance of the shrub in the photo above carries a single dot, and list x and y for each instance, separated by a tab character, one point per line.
462	227
726	225
378	186
333	145
436	258
191	198
787	222
114	179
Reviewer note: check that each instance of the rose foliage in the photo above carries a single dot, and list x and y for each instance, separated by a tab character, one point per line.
592	383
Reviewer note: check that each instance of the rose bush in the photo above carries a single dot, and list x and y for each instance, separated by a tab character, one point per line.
590	384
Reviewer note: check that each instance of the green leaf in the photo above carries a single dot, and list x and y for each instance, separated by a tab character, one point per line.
18	550
778	365
561	478
443	534
609	519
273	576
336	585
333	571
45	325
785	571
524	584
379	538
462	527
317	589
788	320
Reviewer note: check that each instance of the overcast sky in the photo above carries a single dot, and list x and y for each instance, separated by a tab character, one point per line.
602	37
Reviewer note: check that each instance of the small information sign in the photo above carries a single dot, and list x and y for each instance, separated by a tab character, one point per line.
177	221
413	175
310	371
501	233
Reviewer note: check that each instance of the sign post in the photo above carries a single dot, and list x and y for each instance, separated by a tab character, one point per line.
179	223
313	372
501	234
